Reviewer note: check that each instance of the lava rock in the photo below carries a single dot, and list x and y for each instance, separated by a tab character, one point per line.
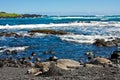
109	43
60	32
115	55
1	64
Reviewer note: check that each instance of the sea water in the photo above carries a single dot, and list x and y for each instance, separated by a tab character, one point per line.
83	30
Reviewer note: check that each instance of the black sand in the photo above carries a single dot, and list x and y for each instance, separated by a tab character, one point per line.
82	73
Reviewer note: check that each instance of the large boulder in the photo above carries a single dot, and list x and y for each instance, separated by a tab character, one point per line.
102	61
67	64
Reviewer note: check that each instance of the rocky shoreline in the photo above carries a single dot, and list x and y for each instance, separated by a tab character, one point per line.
14	15
98	68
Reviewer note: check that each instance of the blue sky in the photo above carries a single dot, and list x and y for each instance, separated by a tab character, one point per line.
61	6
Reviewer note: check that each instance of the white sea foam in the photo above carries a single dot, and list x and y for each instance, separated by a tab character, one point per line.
18	48
97	30
4	48
83	38
39	35
69	17
31	26
76	17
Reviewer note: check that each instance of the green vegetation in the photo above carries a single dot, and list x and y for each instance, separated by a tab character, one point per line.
9	15
14	15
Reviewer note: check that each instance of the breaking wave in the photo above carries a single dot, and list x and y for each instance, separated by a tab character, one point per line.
32	26
4	48
83	38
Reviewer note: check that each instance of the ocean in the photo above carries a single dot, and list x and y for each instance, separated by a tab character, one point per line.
83	30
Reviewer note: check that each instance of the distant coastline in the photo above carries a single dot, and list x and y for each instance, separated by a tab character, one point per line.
14	15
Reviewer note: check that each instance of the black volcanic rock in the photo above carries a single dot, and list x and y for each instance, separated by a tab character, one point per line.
115	55
11	34
99	42
31	15
60	32
102	42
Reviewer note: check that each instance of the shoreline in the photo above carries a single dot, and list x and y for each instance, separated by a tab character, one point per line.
98	68
96	72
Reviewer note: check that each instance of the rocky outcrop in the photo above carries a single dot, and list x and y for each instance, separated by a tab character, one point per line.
11	34
30	15
60	32
102	42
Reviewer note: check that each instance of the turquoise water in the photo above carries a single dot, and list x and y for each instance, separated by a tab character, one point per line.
83	30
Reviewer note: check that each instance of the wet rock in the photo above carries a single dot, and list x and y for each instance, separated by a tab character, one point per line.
60	32
115	56
14	52
53	58
7	52
90	55
33	54
99	42
11	34
49	52
3	34
38	59
30	57
109	43
18	36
